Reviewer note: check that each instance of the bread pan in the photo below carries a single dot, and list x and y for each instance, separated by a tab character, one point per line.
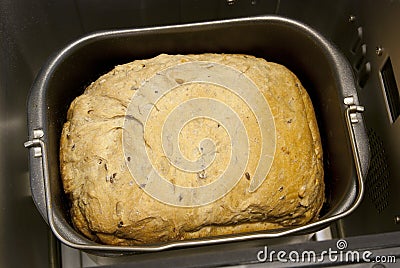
323	70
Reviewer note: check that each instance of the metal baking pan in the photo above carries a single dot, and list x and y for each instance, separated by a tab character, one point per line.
323	70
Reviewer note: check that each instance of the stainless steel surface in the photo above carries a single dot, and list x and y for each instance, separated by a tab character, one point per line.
25	240
380	26
375	26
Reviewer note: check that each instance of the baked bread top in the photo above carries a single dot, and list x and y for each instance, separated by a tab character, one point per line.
187	134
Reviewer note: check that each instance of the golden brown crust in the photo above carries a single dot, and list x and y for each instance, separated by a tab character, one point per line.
107	205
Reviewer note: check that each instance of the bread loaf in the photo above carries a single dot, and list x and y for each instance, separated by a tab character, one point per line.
173	148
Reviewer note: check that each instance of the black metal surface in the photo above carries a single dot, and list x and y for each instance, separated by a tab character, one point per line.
277	39
24	237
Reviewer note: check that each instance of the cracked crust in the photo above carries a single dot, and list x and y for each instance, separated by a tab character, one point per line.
109	207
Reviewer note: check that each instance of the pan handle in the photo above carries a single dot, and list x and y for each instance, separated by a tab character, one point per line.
39	194
352	111
36	171
39	151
